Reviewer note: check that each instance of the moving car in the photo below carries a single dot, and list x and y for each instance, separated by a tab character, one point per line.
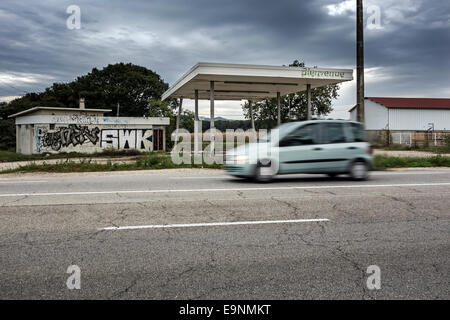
329	147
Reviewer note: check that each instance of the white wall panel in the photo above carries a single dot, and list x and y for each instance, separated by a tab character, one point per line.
376	116
419	119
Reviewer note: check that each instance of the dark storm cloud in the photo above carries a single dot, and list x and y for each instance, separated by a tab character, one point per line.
409	54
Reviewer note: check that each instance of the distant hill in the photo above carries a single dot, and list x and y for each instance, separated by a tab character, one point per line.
216	119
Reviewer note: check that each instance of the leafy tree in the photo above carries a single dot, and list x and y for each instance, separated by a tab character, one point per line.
129	85
132	86
292	106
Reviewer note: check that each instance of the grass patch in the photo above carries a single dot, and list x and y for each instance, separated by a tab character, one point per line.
11	156
385	162
162	161
146	163
432	149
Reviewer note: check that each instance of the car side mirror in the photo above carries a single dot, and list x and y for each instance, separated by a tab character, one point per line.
286	142
306	140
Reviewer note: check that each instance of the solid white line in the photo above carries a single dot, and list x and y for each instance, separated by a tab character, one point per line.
21	181
212	224
224	189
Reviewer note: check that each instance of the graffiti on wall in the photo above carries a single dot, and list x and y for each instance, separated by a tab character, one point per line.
71	135
80	119
141	139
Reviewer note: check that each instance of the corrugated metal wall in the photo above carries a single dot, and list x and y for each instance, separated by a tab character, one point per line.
418	119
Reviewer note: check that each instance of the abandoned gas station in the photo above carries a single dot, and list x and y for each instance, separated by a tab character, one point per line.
220	81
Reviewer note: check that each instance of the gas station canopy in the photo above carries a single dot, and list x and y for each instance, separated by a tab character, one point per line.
251	82
221	81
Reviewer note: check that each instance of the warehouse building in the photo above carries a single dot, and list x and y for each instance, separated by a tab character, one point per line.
53	130
406	120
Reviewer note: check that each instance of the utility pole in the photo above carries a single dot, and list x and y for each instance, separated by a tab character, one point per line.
359	62
118	107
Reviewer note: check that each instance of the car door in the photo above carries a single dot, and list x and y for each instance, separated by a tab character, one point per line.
356	140
300	151
336	147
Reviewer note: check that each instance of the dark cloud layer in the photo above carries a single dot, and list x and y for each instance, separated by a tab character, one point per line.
408	56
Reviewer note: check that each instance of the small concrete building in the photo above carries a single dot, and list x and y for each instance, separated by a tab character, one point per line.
53	130
406	120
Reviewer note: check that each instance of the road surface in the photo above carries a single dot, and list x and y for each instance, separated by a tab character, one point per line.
198	234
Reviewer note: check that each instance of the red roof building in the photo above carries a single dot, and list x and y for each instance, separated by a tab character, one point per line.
406	114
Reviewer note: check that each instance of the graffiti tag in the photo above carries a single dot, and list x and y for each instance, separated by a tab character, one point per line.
140	139
71	135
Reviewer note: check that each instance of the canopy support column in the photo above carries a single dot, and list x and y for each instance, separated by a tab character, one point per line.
178	119
196	123
252	118
308	102
211	116
211	103
279	108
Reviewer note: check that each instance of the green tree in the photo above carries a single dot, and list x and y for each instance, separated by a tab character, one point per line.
292	106
129	85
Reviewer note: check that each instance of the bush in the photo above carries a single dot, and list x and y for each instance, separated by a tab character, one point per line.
384	162
447	141
7	134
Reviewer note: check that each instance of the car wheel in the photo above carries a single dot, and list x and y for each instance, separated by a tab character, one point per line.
359	170
261	174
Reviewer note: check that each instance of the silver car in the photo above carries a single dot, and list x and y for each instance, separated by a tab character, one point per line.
320	146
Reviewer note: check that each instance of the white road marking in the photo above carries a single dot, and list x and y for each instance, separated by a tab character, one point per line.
374	173
223	189
200	177
22	181
387	173
212	224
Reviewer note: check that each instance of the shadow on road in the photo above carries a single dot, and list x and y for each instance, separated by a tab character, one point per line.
300	179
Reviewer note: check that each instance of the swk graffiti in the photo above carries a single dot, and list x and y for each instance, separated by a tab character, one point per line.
72	135
140	139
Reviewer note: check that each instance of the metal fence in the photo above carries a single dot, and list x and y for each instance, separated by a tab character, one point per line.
402	138
418	138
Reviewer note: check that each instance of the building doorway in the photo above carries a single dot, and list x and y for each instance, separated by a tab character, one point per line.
158	140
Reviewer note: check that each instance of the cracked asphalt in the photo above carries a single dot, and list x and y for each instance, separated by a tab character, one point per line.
399	221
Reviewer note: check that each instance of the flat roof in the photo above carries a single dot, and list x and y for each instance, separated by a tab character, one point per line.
251	82
31	110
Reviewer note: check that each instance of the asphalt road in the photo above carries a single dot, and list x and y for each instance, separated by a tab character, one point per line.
119	229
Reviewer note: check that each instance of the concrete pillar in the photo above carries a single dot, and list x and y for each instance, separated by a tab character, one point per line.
196	124
252	118
211	103
18	138
179	113
178	120
279	108
308	102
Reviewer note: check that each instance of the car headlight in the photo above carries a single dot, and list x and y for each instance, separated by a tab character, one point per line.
239	158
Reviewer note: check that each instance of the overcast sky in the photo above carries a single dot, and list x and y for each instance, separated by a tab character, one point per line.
407	54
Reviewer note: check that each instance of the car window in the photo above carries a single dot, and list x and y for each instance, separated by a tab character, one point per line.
333	133
355	132
305	135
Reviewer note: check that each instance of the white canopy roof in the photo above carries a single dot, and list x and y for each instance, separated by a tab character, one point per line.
251	82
